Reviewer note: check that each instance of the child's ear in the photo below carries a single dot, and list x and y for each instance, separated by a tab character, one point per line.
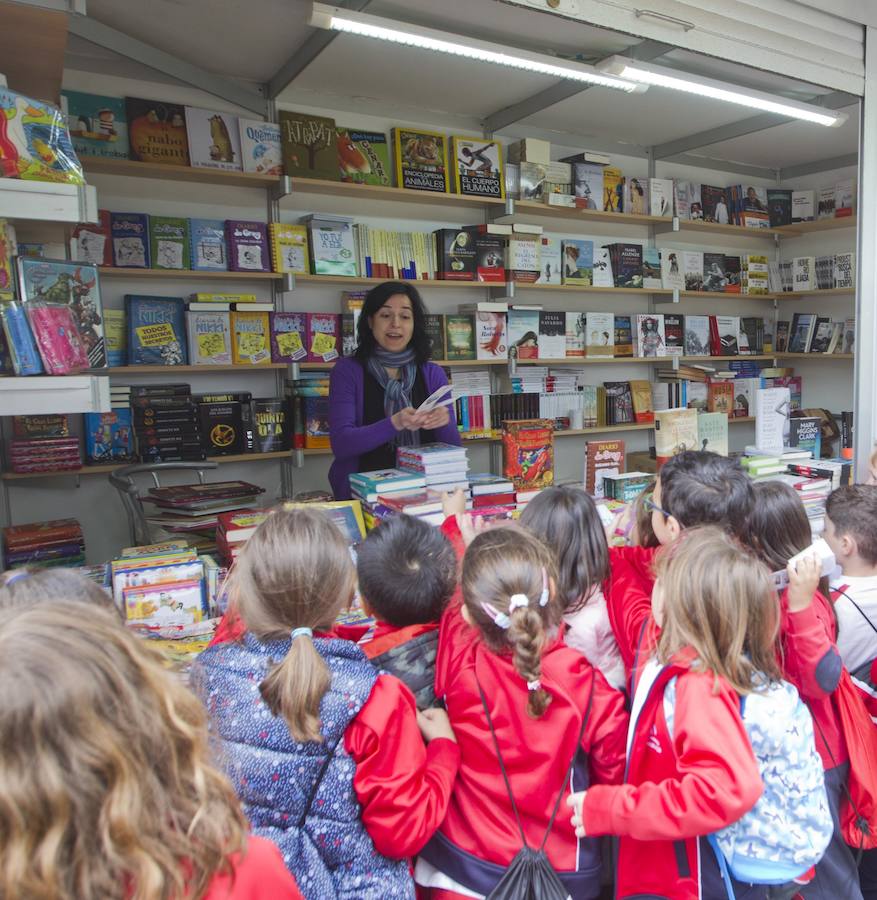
673	527
849	546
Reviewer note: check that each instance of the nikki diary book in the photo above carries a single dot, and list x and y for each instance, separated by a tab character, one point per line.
288	336
156	331
209	338
157	132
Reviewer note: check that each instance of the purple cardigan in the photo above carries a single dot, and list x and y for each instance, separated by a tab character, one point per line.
350	438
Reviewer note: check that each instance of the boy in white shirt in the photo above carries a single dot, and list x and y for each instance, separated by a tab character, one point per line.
851	532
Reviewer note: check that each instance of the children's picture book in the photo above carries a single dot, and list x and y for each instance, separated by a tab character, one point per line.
309	145
528	453
652	268
98	125
478	167
602	458
364	157
552	334
156	331
613	190
578	262
272	425
602	274
209	338
74	285
247	246
130	235
460	336
675	432
260	147
332	245
214	139
421	160
649	340
207	250
20	342
599	334
712	432
550	260
697	335
157	132
288	336
491	337
116	338
54	330
91	243
109	437
169	242
323	336
251	338
588	185
672	276
523	332
289	248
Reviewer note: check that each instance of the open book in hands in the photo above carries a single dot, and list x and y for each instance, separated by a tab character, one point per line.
437	398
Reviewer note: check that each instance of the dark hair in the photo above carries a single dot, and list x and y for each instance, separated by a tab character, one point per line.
566	519
853	512
703	488
407	571
374	300
778	526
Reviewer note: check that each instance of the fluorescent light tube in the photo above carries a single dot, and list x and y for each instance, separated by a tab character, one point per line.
335	18
660	76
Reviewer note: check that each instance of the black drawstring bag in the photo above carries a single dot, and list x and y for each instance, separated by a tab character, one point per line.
530	876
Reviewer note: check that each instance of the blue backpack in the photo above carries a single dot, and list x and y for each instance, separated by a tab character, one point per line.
789	828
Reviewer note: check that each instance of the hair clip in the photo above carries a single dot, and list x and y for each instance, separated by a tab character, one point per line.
16	576
500	619
518	601
300	632
543	597
534	685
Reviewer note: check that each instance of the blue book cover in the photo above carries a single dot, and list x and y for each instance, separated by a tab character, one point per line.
130	236
156	331
109	437
207	244
19	339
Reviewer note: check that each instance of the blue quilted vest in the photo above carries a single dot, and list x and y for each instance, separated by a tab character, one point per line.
331	854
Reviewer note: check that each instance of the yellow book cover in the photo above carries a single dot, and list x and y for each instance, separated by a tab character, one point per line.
115	337
641	393
251	344
421	160
289	248
347	515
222	298
477	167
613	190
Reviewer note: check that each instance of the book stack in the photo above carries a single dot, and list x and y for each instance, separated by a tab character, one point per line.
59	542
43	444
234	528
445	467
813	491
492	492
159	586
370	487
759	464
165	421
626	486
426	505
838	471
309	396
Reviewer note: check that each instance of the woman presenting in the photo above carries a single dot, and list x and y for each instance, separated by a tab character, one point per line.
374	394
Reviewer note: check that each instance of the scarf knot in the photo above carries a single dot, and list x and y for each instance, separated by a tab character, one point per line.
397	391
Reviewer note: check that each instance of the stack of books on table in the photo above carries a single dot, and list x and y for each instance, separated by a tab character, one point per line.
234	528
760	464
375	487
445	467
59	542
166	425
493	496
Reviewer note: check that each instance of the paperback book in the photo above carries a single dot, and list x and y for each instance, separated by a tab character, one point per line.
332	245
288	335
528	453
115	337
289	248
272	425
209	338
130	236
247	246
578	262
251	338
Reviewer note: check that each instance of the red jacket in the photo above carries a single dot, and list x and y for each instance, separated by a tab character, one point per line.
678	787
259	874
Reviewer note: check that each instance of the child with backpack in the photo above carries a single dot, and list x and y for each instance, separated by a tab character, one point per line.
108	790
704	704
533	720
407	572
565	518
778	530
324	750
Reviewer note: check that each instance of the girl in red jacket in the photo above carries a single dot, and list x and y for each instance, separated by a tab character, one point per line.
716	607
106	786
778	530
503	644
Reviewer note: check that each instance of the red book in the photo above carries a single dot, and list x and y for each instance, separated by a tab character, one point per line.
493	499
528	452
37	533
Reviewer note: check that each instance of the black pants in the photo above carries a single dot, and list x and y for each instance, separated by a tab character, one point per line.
868	874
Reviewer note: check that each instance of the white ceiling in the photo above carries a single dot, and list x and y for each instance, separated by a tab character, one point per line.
252	39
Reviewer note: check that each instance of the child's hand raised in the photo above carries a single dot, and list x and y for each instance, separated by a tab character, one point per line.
434	723
803	581
453	504
577	802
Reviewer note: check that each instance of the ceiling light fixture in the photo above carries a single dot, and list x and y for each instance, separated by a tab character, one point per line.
336	18
660	76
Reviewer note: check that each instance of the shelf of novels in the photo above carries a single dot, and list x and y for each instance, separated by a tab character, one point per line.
195	274
107	469
128	168
419	282
180	370
643	292
816	226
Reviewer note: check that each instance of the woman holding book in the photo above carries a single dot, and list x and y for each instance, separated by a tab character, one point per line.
374	394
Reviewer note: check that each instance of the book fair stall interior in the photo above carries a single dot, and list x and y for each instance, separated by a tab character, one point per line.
415	260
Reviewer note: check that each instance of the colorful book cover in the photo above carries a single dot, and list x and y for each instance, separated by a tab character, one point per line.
578	262
674	337
247	246
332	246
650	335
74	285
675	432
309	145
623	336
54	330
715	204
364	157
323	336
209	338
805	433
92	243
115	336
157	132
460	336
272	425
524	258
528	453
733	269
156	331
523	330
421	160
613	190
289	248
109	437
755	212
478	167
130	235
251	344
600	334
629	272
602	458
52	425
169	242
288	336
214	139
7	252
97	124
207	250
636	202
261	153
652	268
315	413
19	340
491	338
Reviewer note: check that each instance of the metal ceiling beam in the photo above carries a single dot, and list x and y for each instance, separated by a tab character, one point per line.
103	36
645	51
720	165
308	52
821	165
835	100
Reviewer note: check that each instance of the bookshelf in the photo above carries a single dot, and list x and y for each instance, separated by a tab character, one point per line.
129	168
818	225
186	274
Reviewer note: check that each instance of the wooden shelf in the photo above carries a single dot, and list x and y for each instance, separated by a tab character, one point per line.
587	289
798	295
418	282
174	274
799	228
173	370
378	192
716	228
129	168
586	215
823	357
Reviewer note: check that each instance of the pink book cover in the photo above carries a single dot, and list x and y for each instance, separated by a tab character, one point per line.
57	337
